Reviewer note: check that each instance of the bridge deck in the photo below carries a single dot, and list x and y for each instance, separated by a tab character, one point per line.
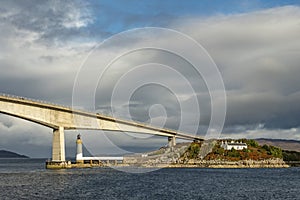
66	109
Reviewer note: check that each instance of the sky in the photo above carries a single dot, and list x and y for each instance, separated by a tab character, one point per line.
45	47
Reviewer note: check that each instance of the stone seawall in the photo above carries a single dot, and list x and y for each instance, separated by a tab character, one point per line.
270	163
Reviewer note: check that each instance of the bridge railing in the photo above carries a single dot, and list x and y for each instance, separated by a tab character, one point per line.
50	103
33	100
45	102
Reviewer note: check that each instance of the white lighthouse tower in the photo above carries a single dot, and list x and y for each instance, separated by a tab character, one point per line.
79	156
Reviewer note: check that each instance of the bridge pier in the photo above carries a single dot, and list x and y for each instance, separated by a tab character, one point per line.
196	141
58	145
171	141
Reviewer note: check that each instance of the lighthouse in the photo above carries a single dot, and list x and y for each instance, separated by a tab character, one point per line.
79	156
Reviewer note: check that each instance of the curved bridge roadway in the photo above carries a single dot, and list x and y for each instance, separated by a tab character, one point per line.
60	118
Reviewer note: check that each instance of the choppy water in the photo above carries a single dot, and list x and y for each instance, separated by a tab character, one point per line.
27	179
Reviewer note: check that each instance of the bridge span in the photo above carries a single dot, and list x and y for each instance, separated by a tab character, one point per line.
60	118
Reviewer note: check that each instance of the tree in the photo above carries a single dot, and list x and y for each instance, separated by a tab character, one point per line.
252	143
272	150
291	155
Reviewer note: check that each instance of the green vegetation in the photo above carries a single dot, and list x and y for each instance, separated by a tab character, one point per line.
218	150
193	150
274	151
233	153
251	143
253	152
291	155
246	150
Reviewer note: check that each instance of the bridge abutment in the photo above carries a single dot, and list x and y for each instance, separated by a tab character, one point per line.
58	145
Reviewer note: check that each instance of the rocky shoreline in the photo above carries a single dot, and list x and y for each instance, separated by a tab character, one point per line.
270	163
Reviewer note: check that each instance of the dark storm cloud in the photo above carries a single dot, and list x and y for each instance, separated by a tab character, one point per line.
271	109
257	56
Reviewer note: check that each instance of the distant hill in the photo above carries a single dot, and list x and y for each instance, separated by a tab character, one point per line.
291	145
9	154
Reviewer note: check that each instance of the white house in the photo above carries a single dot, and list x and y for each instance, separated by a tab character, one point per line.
235	145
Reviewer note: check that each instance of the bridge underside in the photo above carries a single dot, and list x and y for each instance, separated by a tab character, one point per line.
61	118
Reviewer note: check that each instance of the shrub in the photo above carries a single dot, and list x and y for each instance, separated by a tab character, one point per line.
193	150
252	143
266	147
246	150
274	151
219	151
233	153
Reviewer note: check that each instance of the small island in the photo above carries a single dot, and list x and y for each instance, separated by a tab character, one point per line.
242	153
9	154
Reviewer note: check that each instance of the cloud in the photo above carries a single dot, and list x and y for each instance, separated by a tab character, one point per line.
257	132
36	59
42	47
257	55
50	21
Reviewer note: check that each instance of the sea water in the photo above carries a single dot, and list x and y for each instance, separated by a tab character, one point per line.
28	179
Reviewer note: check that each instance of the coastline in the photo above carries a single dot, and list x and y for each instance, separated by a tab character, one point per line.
193	163
208	154
270	163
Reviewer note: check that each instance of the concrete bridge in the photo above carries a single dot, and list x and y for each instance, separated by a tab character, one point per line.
60	118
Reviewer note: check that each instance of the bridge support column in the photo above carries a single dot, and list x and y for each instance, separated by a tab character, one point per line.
196	141
171	141
58	145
